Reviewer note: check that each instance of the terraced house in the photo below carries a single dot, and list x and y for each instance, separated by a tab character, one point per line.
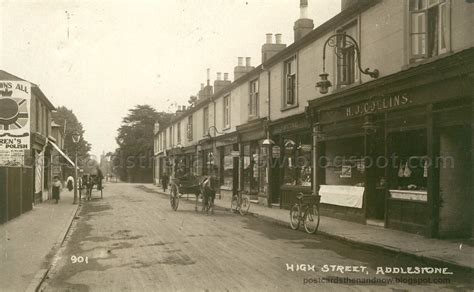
372	110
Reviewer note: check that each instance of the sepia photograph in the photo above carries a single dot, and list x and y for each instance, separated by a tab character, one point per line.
236	145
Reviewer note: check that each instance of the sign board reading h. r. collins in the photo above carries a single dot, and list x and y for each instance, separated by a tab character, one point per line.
14	121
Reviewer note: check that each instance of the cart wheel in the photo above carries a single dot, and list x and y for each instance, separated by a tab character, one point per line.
174	198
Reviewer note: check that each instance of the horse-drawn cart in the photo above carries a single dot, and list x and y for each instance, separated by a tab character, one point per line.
190	184
90	181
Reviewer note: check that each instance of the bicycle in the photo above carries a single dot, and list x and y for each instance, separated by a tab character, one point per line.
240	203
310	216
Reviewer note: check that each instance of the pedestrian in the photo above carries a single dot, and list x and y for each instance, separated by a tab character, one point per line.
164	181
57	186
70	183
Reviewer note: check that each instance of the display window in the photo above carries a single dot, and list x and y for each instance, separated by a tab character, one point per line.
251	168
409	169
344	162
297	160
227	167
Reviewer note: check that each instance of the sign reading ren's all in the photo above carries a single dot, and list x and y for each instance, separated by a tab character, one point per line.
377	103
14	121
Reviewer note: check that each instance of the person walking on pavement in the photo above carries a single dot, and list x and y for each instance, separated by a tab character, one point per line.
164	181
70	183
57	186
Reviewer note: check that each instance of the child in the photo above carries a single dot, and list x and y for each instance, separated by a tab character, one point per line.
57	186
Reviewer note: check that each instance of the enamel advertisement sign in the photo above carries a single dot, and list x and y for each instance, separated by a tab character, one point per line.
14	121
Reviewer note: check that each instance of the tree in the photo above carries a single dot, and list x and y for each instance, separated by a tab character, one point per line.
133	160
69	123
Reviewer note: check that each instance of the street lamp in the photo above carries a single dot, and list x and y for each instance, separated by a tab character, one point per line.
76	137
334	41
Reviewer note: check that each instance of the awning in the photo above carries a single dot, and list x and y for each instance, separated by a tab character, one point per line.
61	152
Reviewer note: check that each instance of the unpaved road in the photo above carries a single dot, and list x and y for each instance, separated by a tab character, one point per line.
133	241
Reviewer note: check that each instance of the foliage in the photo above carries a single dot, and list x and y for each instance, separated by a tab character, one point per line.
69	123
134	157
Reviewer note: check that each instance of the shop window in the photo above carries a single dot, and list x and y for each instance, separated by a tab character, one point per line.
429	28
297	160
253	98
290	83
409	165
344	162
227	167
251	167
346	56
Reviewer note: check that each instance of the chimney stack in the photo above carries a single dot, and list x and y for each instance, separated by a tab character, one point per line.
219	74
226	76
303	25
248	61
221	84
278	38
240	70
206	91
346	3
270	49
269	38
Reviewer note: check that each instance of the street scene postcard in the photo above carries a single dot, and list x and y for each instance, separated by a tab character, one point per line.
236	145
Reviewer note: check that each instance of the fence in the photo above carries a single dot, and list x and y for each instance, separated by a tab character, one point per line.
16	192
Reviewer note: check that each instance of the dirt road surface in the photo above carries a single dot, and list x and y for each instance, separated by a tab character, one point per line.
133	241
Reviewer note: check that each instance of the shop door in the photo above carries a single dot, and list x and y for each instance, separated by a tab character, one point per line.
375	179
275	181
454	182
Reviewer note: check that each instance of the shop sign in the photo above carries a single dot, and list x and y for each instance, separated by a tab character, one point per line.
290	126
14	121
235	153
377	103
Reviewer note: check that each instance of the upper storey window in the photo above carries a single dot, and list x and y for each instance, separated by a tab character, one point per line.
429	28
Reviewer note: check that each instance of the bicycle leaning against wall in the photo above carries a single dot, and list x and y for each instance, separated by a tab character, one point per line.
306	209
240	202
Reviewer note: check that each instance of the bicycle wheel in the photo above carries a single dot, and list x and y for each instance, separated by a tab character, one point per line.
311	219
234	204
174	198
244	207
295	216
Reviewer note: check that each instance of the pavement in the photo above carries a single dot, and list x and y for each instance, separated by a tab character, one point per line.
457	253
28	243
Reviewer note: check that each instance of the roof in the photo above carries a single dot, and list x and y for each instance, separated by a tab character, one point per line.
34	88
315	34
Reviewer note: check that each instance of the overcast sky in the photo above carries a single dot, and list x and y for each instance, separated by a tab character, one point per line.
100	58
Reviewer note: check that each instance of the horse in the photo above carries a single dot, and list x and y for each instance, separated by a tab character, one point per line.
208	194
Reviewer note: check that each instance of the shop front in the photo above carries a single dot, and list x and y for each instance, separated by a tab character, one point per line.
227	147
398	151
291	160
253	160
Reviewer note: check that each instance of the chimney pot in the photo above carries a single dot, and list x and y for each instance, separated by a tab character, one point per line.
219	74
240	61
269	38
278	38
226	76
248	61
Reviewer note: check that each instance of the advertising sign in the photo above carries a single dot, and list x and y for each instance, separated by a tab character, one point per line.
14	121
